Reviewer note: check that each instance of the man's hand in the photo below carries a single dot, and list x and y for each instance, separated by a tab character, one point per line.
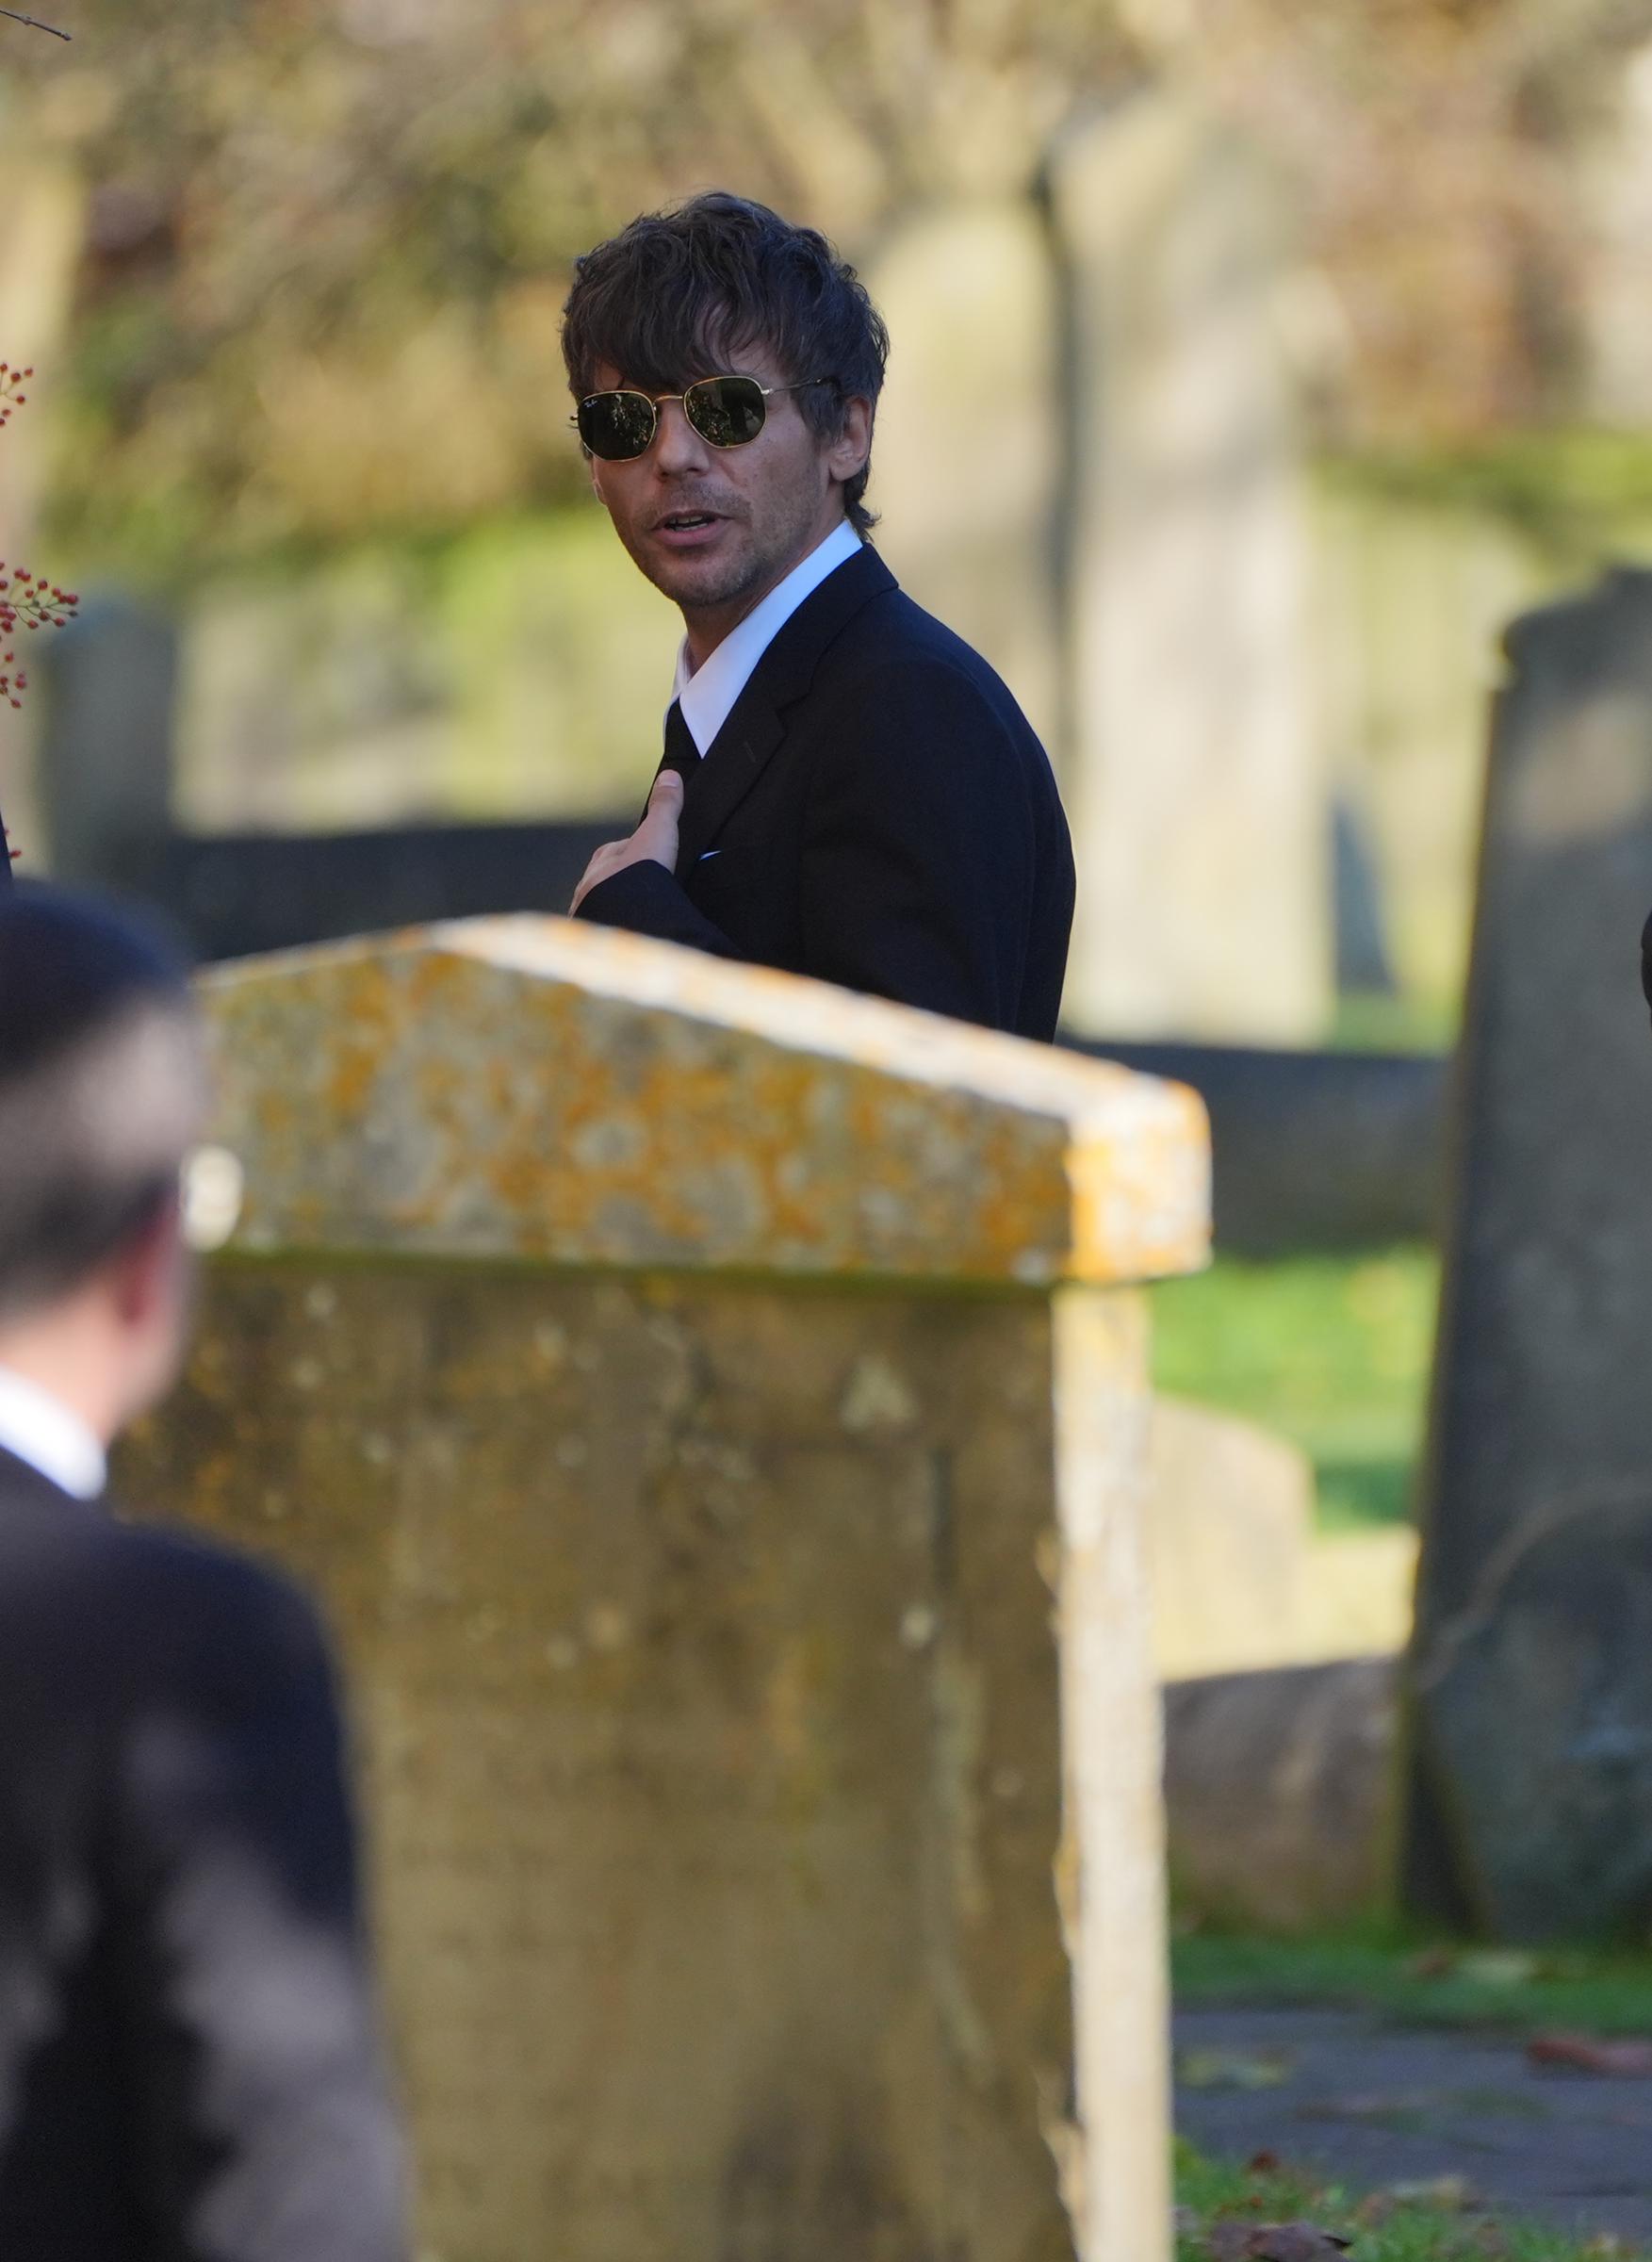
653	841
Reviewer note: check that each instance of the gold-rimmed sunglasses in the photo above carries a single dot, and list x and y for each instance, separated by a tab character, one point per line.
727	412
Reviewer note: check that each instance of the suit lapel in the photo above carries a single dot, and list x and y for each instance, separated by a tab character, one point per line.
737	756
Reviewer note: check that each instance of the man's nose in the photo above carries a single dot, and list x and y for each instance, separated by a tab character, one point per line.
677	447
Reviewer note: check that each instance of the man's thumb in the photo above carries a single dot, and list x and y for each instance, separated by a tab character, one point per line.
668	794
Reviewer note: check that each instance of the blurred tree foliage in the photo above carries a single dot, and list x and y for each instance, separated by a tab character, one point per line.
1441	146
328	241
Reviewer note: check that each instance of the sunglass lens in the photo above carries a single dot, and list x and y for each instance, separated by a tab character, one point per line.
727	411
617	426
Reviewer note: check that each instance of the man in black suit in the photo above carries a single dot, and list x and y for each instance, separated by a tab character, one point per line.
189	2066
847	791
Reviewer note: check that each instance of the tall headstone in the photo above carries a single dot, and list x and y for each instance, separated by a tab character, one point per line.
691	1390
1532	1671
970	434
1199	808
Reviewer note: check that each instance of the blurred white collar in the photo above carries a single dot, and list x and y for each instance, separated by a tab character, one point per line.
41	1430
706	694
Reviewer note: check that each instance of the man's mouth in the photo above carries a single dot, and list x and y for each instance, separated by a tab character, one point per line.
686	532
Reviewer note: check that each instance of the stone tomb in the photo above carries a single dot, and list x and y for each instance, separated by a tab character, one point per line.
1531	1674
713	1409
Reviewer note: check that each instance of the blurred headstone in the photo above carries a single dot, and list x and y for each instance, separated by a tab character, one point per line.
1362	960
1531	1675
714	1408
1279	1790
106	779
1230	1523
1200	810
970	432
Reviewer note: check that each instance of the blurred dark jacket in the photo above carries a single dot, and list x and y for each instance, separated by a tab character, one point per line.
189	2064
876	812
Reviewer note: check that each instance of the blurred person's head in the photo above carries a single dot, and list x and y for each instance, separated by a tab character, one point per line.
721	287
103	1093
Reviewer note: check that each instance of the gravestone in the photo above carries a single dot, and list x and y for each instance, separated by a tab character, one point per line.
1230	1524
109	679
1199	805
1532	1671
715	1410
969	432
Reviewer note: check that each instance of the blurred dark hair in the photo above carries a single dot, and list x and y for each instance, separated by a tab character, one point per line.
100	1087
678	295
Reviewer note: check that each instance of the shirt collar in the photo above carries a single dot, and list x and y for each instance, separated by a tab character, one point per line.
43	1432
706	694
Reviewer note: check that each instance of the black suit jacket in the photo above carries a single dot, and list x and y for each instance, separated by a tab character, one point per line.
876	812
189	2069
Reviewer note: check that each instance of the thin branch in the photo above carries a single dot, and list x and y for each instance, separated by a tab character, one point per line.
35	24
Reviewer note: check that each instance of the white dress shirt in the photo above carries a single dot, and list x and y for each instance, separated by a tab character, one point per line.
41	1430
706	694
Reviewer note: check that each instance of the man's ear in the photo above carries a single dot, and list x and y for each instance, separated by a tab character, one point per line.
847	455
144	1271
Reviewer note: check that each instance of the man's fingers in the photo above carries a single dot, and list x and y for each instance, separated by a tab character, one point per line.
654	841
656	836
596	869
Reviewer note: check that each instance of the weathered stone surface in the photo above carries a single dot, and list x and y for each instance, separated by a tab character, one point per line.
540	1088
747	1627
1533	1787
1200	812
1537	1702
1280	1790
709	1705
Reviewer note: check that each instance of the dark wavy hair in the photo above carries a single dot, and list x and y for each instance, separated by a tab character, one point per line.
677	294
101	1086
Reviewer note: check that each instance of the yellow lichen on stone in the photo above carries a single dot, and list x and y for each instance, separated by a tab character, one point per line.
531	1087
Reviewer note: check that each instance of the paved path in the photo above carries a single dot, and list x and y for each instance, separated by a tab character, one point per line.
1347	2096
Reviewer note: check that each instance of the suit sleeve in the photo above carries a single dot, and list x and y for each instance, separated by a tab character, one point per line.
647	900
264	2128
918	860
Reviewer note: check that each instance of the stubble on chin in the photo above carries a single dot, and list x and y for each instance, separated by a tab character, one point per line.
703	591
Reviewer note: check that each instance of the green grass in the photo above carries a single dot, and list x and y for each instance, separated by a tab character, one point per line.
1329	1350
1409	1980
1366	1021
1384	2228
